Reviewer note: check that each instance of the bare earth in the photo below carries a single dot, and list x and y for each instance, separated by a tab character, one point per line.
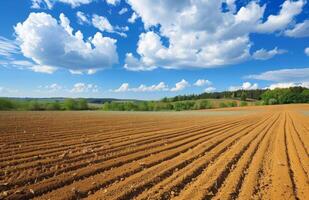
236	153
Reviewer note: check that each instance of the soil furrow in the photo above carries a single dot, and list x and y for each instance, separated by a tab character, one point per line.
99	168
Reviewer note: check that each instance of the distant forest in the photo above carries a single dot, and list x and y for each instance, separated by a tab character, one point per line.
177	103
277	96
202	101
22	104
239	94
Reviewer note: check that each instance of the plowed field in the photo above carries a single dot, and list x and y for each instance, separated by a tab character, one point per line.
239	153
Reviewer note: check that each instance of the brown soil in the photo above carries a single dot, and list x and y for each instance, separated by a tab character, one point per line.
261	153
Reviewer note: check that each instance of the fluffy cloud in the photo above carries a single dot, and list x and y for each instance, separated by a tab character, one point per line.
113	2
181	85
283	75
77	88
82	18
299	30
103	24
67	49
122	11
133	64
83	87
132	18
123	88
287	85
202	82
200	34
289	10
142	88
210	89
244	86
307	51
263	54
37	4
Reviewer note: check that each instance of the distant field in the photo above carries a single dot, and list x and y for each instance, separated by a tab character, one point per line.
233	153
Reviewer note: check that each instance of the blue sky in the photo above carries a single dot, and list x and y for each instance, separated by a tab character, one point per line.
148	49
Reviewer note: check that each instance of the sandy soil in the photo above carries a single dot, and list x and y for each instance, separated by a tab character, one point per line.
235	153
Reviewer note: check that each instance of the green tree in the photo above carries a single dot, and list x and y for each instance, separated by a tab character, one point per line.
205	104
106	106
243	96
305	96
34	105
52	106
82	104
6	104
272	101
69	104
178	106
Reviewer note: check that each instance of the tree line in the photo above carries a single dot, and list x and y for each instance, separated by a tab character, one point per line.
67	104
177	103
167	106
239	94
286	96
278	95
196	102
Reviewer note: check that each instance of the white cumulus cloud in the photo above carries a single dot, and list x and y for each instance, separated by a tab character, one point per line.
200	34
244	86
181	85
102	23
289	10
123	88
37	4
82	18
142	88
307	51
122	11
83	87
202	82
288	85
299	30
113	2
133	64
132	18
210	89
66	49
